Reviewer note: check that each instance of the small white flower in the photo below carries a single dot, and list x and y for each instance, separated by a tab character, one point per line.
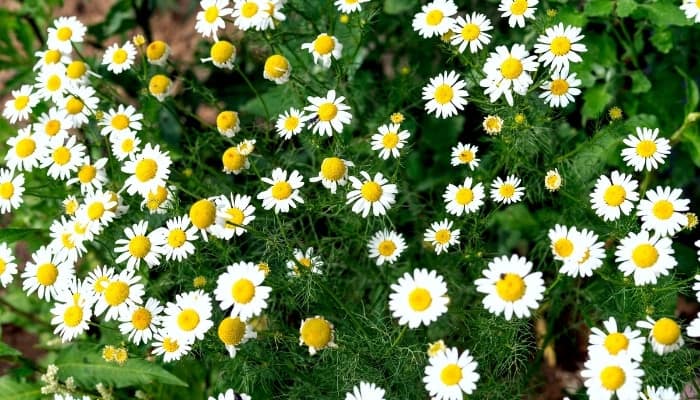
119	58
327	114
324	48
386	246
665	334
663	211
445	94
375	194
418	298
389	140
283	192
507	192
465	198
465	154
441	235
435	18
646	150
470	31
449	374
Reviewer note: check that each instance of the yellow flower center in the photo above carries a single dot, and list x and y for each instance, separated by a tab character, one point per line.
53	83
146	170
222	51
3	265
386	248
507	190
249	9
645	255
276	66
156	198
7	189
616	342
464	196
67	241
511	287
76	69
470	32
21	102
170	345
233	160
563	247
199	281
52	127
451	374
371	191
52	56
203	213
646	148
231	331
120	121
663	209
560	45
95	210
235	217
390	140
443	236
614	195
127	145
226	120
141	318
116	293
61	155
666	331
176	238
443	94
25	147
211	14
324	44
327	111
158	84
188	319
243	291
306	262
291	123
612	377
156	50
46	274
333	168
434	17
511	68
552	181
73	316
74	106
518	7
493	124
559	87
101	284
419	299
139	246
316	333
466	156
120	56
64	33
87	173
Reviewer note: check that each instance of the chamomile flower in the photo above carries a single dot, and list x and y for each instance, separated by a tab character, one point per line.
435	18
277	69
508	71
53	123
8	267
230	395
273	15
49	57
553	180
605	376
77	73
72	310
157	53
20	106
645	256
167	345
441	235
507	192
148	170
232	332
228	124
693	329
450	374
249	13
97	211
46	274
445	95
91	177
511	287
65	32
283	192
333	173
120	120
591	259
65	243
327	114
99	279
386	246
364	390
559	46
613	196
317	333
176	237
560	90
203	216
70	205
324	48
125	145
465	198
139	246
141	322
222	54
119	58
646	150
160	86
290	123
210	19
160	200
465	154
418	298
659	393
470	31
389	140
517	11
234	162
664	334
564	244
241	287
625	343
663	211
233	214
493	124
79	105
375	194
120	294
51	83
189	317
63	156
25	150
691	8
11	190
310	263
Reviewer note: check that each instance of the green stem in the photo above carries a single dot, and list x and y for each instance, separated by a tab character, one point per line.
398	338
252	88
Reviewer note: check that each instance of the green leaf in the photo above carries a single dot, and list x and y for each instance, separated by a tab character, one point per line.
11	235
88	369
692	95
690	141
664	14
598	8
594	101
398	6
640	83
625	8
662	39
12	390
7	351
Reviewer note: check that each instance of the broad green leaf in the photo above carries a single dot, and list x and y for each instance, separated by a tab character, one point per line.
625	8
692	95
691	142
11	235
11	390
665	14
594	101
398	6
640	83
8	351
662	39
598	8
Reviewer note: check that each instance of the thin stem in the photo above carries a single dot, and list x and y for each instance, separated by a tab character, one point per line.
398	338
255	91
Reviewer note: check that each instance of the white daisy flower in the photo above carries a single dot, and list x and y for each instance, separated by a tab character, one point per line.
450	374
11	190
24	150
663	211
614	195
591	259
693	329
203	216
283	193
386	246
141	322
645	256
564	244
222	54
507	192
552	180
435	18
120	120
98	279
277	69
249	13
46	274
625	343
560	90
160	86
230	395
51	83
441	235
20	106
389	140
63	156
691	8
65	243
176	237
241	287
8	267
493	124
273	16
317	333
70	204
290	123
510	287
606	376
470	31
157	53
65	32
53	123
418	298
125	145
91	177
139	246
189	317
232	332
210	19
659	393
646	150
49	57
148	170
465	198
347	7
664	335
72	310
234	162
233	214
119	294
508	71
327	114
375	194
517	11
119	58
333	173
171	348
79	105
310	263
559	46
364	390
445	94
324	48
97	211
77	74
228	124
465	154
